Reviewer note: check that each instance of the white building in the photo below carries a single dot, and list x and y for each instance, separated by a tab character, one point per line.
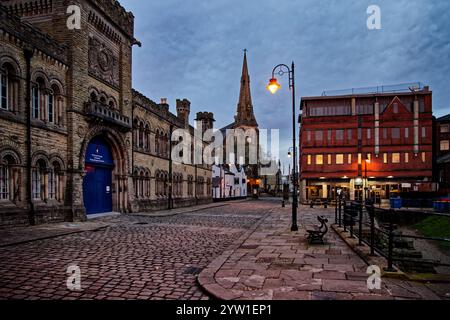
229	181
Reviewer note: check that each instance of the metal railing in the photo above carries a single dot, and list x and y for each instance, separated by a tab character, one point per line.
384	238
403	87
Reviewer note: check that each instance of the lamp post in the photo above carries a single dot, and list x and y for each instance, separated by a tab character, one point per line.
367	161
273	87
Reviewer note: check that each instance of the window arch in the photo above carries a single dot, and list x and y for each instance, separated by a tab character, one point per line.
9	87
147	184
9	178
141	135
38	97
56	105
141	184
157	142
136	183
147	137
39	190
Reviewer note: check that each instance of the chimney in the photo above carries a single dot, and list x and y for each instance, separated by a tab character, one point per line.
206	119
183	110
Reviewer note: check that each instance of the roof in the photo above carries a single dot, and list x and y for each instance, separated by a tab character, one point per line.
444	159
444	118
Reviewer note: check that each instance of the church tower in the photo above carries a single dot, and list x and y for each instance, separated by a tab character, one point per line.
245	118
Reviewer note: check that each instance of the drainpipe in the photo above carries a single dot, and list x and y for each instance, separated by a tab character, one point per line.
28	53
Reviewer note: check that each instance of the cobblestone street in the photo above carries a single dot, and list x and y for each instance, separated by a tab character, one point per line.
136	257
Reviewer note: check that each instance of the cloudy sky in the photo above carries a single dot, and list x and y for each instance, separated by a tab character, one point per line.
193	49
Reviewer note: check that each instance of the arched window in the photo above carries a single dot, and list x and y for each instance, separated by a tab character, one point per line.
56	106
157	142
190	185
38	99
9	87
55	182
9	179
147	138
141	135
141	184
38	181
93	96
135	183
103	100
135	133
147	184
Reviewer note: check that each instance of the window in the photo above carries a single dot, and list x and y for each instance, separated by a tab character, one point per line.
4	180
329	134
369	134
406	133
385	133
424	132
340	134
339	159
38	181
329	159
319	135
385	158
9	188
308	136
444	145
309	159
319	159
50	108
396	158
406	157
424	157
51	184
395	107
395	133
350	134
349	159
369	157
359	158
35	102
4	91
444	128
359	133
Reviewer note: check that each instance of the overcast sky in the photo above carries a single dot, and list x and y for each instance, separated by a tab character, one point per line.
193	49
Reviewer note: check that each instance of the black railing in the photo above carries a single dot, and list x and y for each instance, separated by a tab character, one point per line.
385	238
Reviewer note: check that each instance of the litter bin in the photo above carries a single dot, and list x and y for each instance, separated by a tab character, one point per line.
396	203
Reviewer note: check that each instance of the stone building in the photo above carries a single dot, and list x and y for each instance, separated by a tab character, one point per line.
75	139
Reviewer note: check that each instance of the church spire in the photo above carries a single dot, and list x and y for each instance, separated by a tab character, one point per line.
245	115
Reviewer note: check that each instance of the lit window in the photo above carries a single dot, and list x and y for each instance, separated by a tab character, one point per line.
445	145
396	158
309	159
319	159
406	157
424	157
329	159
359	158
385	158
349	159
444	128
369	157
339	159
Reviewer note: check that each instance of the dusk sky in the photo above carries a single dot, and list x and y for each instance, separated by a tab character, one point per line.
194	49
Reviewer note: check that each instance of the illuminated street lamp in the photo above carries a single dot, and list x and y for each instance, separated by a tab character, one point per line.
273	87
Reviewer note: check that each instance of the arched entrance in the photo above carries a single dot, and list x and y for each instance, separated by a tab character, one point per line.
97	183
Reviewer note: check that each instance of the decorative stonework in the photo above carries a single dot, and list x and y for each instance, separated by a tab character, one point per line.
103	64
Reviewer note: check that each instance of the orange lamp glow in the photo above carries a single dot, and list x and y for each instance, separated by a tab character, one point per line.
273	86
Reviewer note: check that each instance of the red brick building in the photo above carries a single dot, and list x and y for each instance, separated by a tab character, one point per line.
377	143
442	141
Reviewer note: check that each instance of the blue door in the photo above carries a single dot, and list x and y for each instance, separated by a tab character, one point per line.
97	183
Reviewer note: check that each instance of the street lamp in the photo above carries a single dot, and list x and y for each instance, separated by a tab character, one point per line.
273	87
367	162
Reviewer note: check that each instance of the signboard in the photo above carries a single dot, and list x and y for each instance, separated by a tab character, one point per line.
98	153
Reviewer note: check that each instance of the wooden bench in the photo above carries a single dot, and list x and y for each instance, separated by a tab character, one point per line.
319	232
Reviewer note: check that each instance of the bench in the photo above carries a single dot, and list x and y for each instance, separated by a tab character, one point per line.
316	235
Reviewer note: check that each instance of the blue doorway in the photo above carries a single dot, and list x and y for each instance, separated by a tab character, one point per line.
97	183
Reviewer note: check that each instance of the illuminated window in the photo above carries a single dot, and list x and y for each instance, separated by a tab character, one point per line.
369	157
406	157
396	158
309	159
349	159
359	158
329	159
339	159
319	159
424	157
385	158
444	128
445	145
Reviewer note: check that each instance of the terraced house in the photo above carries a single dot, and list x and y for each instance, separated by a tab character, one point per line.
75	138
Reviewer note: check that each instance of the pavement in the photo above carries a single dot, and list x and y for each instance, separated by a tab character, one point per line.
235	250
270	262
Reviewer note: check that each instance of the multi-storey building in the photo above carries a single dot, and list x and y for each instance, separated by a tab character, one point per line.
371	144
442	143
75	139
